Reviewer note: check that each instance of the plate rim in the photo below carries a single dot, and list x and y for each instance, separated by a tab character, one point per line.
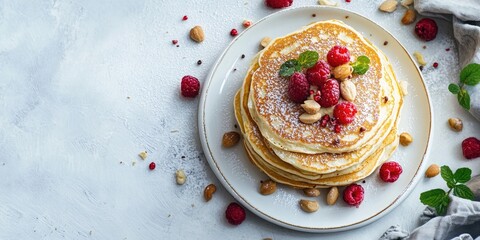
218	173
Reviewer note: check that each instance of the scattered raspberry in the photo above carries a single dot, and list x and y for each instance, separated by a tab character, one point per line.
318	74
151	166
298	88
174	42
353	194
278	3
190	86
185	18
338	55
345	112
330	93
348	1
426	29
235	214
324	120
390	171
471	148
447	49
234	32
246	23
435	65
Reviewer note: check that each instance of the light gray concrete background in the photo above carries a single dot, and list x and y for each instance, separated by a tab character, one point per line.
69	134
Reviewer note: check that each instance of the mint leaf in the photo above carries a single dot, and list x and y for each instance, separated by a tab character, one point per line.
361	66
453	88
463	192
433	197
308	59
289	67
441	208
470	75
462	175
464	99
447	175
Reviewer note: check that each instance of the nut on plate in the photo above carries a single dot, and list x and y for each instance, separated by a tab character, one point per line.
348	90
230	139
265	41
310	118
309	206
343	72
388	6
409	17
311	192
419	58
406	3
197	34
332	196
331	3
268	187
456	124
209	191
143	155
432	171
311	106
180	177
405	139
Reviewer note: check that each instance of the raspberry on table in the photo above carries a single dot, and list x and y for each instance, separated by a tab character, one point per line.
278	3
345	112
318	74
330	93
298	88
426	29
235	213
234	32
471	148
190	86
390	171
353	194
338	55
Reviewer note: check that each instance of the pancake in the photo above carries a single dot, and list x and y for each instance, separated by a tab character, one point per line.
278	117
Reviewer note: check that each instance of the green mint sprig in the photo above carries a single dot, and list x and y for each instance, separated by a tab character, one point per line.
438	198
306	59
361	66
470	75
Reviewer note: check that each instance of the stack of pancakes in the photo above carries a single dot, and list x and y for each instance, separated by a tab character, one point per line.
308	155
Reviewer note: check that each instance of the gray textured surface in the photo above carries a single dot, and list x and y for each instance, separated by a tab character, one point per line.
66	70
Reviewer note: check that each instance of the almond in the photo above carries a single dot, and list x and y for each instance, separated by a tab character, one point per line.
432	171
310	106
348	90
197	34
311	192
406	3
388	6
265	41
409	17
343	72
332	196
229	139
268	187
419	57
456	124
405	139
309	206
310	118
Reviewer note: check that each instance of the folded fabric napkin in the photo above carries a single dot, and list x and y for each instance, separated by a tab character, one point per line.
465	17
461	222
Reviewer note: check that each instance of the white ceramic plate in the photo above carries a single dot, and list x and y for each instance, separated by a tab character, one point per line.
242	179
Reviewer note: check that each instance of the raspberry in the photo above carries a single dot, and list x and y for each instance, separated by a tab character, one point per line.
278	3
298	88
318	74
338	55
353	195
174	42
390	171
426	29
330	93
151	166
471	148
190	86
185	18
337	128
435	65
345	112
234	32
246	23
235	214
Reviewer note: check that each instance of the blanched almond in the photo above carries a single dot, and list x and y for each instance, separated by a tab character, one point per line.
311	106
310	118
348	90
389	6
265	41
